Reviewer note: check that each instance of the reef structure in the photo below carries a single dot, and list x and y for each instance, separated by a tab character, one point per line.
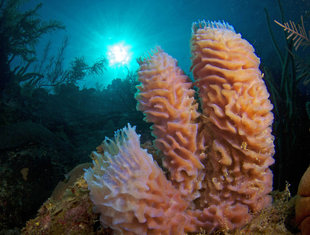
218	159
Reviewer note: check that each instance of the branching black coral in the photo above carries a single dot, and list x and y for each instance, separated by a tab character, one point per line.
296	32
20	31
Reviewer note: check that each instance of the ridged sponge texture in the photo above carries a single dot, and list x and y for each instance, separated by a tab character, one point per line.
131	192
237	123
167	100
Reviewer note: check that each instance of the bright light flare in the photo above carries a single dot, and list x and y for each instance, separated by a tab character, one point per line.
118	54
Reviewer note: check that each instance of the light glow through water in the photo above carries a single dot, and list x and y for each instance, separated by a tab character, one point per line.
119	54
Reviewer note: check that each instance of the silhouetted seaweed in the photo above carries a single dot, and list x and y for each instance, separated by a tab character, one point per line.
79	69
291	121
53	73
20	32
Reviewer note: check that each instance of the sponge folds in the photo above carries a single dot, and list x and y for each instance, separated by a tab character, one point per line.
237	122
131	192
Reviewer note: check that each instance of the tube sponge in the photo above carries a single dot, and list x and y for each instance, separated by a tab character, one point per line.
237	126
131	192
167	99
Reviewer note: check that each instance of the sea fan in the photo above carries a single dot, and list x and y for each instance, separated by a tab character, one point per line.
297	33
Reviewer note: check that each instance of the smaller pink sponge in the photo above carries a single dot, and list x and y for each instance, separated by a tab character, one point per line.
131	192
166	97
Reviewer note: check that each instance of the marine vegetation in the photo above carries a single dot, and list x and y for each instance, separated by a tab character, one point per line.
298	33
289	93
20	32
19	35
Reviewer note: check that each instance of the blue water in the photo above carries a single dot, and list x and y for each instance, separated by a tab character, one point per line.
92	26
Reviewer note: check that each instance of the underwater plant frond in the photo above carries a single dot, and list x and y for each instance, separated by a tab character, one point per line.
296	32
303	71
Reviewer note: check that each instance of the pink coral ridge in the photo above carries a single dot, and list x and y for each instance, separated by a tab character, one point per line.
218	160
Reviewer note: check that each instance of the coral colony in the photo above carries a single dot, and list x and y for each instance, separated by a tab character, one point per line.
217	156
